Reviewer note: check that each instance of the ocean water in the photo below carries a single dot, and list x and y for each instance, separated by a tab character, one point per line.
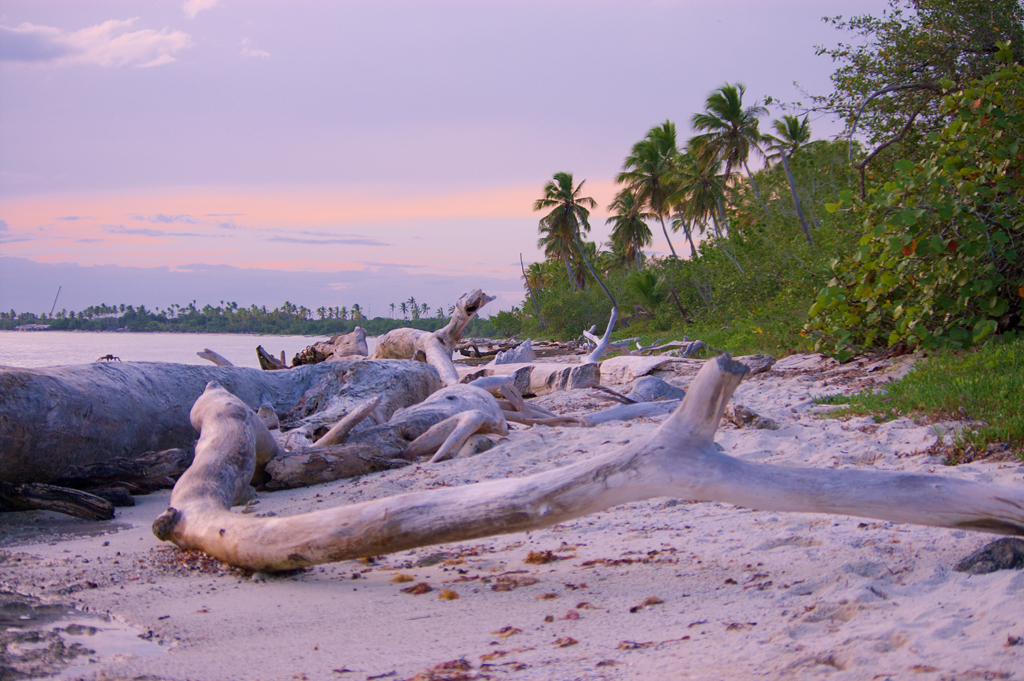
55	348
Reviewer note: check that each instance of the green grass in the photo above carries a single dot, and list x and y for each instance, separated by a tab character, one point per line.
985	384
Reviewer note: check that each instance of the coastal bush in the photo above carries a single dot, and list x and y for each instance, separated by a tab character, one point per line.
939	263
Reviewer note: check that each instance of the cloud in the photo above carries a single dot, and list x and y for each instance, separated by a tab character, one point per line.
109	44
167	219
4	227
249	52
194	7
72	218
345	241
88	241
145	231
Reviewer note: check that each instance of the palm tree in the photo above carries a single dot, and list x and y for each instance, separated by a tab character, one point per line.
630	232
649	170
561	227
392	310
699	194
568	217
699	187
404	307
791	134
730	131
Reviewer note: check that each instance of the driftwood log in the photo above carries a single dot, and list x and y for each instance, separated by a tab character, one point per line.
342	346
59	417
34	496
680	459
440	425
434	348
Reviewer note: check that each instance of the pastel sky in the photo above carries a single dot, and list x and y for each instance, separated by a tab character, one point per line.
339	152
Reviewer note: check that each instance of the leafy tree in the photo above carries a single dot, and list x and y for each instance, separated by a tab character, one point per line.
508	324
889	82
649	173
560	228
940	261
630	232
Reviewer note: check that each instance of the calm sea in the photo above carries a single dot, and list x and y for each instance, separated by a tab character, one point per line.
54	348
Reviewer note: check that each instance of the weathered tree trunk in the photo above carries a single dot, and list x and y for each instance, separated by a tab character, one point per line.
436	348
679	460
54	418
796	197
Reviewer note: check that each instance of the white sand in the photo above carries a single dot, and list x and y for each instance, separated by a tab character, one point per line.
744	594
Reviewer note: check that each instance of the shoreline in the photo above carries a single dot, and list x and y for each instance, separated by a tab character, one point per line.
660	589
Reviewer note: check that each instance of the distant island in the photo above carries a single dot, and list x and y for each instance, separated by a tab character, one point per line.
288	319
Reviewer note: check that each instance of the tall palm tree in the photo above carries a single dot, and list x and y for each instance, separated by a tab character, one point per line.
560	228
649	170
569	216
791	134
730	131
630	232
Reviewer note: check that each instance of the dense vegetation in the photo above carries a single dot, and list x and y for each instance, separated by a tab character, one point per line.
908	237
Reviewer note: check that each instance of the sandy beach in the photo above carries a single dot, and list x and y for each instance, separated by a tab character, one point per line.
663	589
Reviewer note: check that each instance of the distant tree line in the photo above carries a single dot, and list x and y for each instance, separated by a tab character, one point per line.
229	317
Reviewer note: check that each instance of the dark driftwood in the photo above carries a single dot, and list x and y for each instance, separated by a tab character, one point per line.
58	417
680	460
36	496
267	361
440	425
146	473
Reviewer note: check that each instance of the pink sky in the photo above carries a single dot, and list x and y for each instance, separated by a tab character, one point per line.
358	138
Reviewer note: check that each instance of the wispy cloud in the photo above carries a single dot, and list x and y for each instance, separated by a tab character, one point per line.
72	218
167	219
109	44
146	231
194	7
88	241
4	227
344	241
249	52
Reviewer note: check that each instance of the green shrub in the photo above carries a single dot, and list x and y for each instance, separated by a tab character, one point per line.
939	264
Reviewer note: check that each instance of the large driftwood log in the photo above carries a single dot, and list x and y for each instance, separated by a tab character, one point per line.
436	348
58	417
679	460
